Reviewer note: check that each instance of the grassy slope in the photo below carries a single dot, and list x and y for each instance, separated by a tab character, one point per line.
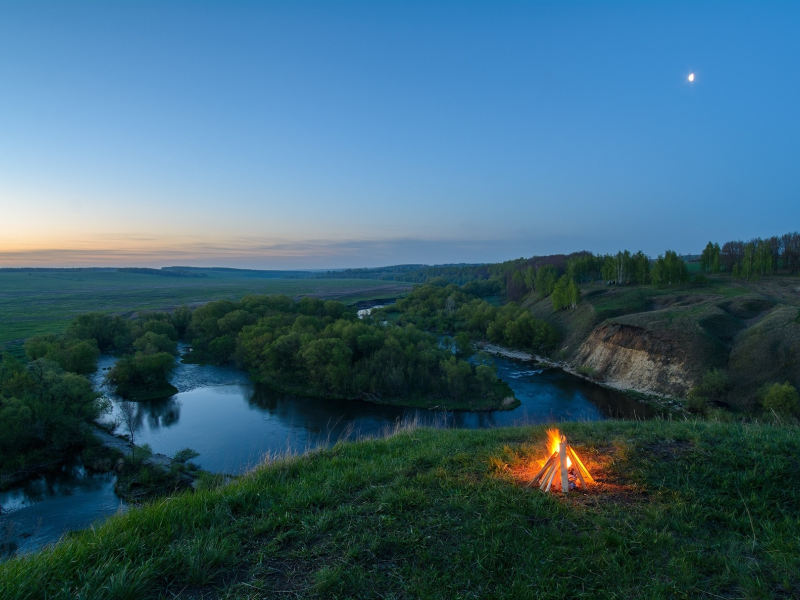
750	328
683	509
45	302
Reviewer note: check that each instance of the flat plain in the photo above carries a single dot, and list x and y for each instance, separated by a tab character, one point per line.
41	302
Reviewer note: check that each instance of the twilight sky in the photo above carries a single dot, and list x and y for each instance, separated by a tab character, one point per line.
346	134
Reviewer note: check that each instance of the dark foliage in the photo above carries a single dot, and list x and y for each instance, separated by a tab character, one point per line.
321	348
450	309
169	272
148	345
77	356
44	411
761	257
143	374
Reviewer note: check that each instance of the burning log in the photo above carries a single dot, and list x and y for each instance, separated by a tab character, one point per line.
564	461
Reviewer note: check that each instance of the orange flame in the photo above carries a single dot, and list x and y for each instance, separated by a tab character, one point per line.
553	441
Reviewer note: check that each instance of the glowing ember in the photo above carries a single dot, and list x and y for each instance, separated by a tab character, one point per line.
560	463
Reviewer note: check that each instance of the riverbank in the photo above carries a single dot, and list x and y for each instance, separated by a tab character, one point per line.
657	401
143	474
679	507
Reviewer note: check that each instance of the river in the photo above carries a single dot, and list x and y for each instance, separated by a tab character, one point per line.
234	423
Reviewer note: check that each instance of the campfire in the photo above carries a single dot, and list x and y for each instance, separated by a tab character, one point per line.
563	470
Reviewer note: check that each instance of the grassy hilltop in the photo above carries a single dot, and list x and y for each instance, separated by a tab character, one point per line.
681	509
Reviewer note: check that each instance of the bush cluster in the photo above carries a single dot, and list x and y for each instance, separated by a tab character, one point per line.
450	309
781	399
148	345
323	349
713	387
44	412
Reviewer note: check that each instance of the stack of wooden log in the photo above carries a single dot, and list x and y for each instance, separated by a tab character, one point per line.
564	469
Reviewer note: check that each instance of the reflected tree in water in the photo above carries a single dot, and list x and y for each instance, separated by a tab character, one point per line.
165	412
265	398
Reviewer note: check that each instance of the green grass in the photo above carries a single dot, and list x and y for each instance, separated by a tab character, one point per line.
682	510
616	301
46	301
622	301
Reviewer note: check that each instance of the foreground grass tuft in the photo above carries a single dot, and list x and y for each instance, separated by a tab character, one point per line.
681	509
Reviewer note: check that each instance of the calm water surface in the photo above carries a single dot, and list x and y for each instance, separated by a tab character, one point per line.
43	509
233	423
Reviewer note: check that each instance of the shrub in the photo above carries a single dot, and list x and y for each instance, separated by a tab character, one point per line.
781	399
148	372
153	343
76	356
186	454
43	412
180	319
696	402
145	476
161	328
463	346
715	384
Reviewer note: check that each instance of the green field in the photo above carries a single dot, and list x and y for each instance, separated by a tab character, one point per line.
39	302
681	510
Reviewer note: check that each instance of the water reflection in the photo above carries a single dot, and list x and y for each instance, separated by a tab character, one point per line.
160	413
235	423
39	511
329	419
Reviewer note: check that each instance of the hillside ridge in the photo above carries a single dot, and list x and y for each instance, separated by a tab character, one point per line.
662	341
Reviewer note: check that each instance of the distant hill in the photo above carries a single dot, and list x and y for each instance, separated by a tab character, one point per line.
242	273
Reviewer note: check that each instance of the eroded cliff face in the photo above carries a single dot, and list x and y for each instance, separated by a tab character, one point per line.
631	357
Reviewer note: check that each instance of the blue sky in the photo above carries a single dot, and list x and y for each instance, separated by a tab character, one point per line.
343	134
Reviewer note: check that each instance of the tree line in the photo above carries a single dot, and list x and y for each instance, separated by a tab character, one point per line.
517	278
756	258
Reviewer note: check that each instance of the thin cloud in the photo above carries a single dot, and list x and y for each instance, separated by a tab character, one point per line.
248	252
